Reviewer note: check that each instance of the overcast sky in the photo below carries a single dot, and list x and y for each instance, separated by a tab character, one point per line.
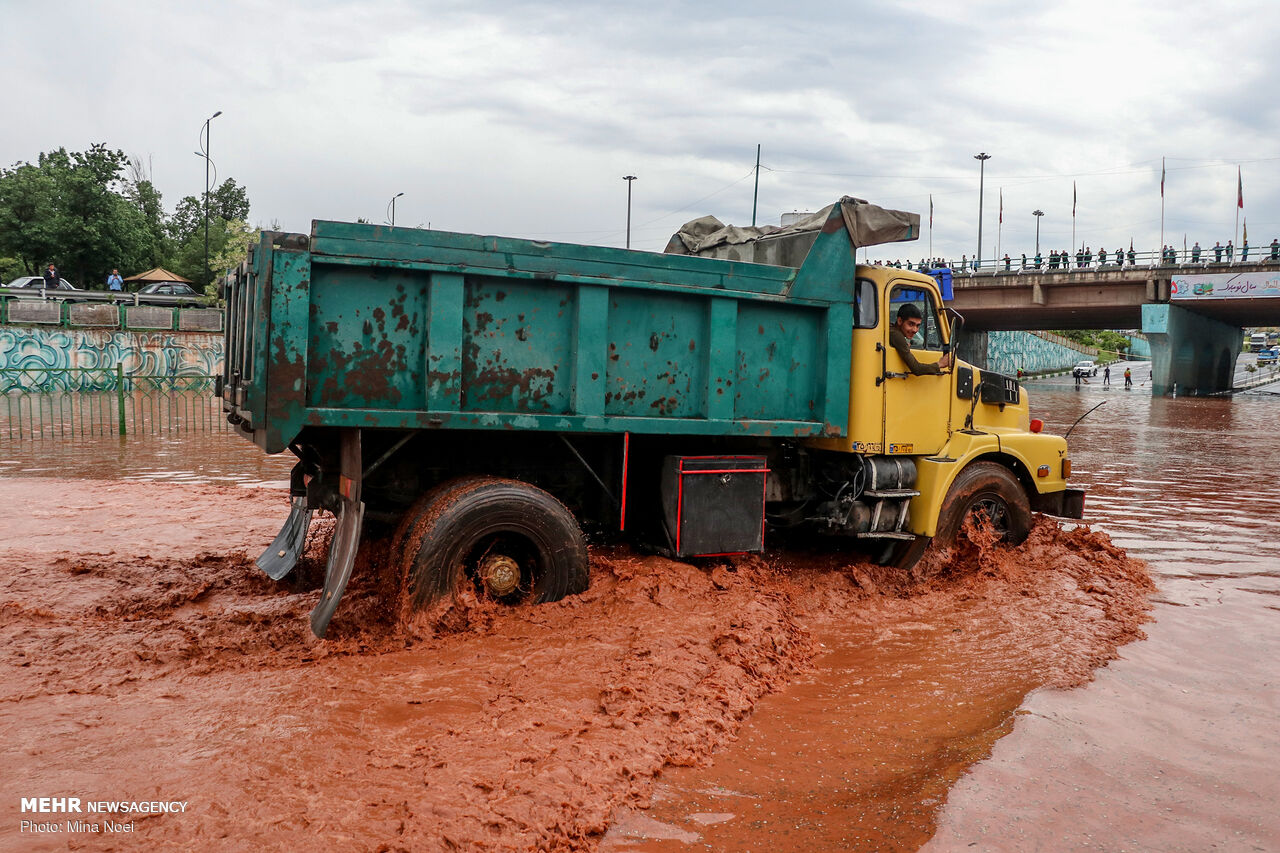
520	118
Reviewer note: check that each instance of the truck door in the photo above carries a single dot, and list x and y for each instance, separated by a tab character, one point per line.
915	407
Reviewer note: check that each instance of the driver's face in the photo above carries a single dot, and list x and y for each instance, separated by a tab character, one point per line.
909	326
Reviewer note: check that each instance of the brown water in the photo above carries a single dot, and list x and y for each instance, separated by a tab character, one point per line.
179	457
925	717
1171	748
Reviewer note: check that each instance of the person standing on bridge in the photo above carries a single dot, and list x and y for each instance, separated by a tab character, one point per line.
1007	260
1231	252
1195	253
1080	257
1039	261
1217	252
1275	249
1133	256
1244	250
1102	257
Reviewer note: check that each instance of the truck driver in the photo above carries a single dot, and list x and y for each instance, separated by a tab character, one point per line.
904	329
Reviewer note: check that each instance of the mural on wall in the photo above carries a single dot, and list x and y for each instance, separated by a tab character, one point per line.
1009	351
95	353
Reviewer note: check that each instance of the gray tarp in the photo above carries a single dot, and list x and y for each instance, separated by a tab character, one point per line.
867	225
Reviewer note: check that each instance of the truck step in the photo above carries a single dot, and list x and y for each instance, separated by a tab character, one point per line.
890	493
885	534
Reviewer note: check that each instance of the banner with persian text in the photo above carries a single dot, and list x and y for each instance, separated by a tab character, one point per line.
1241	285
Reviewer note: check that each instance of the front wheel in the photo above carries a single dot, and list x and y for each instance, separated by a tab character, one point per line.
991	494
513	541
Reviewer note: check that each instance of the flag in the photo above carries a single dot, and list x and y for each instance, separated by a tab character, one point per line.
1246	230
1161	177
1073	199
930	211
1239	189
1002	205
1130	244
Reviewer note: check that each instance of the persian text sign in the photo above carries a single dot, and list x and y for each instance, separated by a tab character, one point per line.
1243	285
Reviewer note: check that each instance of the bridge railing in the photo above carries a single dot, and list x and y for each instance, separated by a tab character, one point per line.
1209	259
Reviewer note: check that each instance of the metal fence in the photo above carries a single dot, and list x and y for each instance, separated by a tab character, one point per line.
52	403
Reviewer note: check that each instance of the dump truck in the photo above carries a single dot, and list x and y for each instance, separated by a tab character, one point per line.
492	404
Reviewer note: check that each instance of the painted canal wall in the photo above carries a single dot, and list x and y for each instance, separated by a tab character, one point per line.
136	352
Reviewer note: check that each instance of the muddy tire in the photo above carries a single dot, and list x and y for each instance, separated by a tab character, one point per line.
514	542
992	491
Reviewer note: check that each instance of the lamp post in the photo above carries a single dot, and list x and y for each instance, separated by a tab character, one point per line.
628	179
393	208
982	159
1037	214
207	276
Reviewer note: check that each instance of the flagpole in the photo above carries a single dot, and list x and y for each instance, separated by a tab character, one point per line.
1239	201
1073	215
1000	228
930	228
1161	204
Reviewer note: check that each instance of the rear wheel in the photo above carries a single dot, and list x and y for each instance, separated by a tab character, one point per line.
991	494
512	541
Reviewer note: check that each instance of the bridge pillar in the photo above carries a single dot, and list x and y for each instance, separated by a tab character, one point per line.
973	348
1190	353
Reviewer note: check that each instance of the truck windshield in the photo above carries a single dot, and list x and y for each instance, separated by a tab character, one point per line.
930	335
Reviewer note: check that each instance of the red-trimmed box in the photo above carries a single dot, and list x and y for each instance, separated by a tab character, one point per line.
714	505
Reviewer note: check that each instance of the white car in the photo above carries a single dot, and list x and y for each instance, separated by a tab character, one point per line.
32	287
1085	368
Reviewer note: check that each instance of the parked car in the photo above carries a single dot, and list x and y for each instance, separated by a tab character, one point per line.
32	287
1085	368
163	293
1269	356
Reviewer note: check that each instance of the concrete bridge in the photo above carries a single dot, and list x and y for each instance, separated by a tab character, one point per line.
1193	314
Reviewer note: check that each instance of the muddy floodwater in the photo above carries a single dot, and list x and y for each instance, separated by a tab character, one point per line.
1110	686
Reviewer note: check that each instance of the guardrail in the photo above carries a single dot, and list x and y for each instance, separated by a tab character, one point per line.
1174	260
54	403
96	310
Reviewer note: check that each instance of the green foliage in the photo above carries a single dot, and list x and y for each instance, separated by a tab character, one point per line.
92	211
11	268
1105	341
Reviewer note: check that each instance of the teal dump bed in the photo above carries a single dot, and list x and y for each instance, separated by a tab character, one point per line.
374	327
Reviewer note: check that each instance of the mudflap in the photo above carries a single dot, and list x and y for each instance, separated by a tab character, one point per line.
346	536
283	552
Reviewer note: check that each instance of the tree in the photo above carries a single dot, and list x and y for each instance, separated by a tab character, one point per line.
67	209
26	216
228	210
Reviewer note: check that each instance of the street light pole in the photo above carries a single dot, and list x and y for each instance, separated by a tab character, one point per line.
982	159
207	276
1037	214
393	208
628	179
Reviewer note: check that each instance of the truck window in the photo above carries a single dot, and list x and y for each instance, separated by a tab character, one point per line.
865	313
930	335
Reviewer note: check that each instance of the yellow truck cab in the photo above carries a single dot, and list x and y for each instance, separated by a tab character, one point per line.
947	423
